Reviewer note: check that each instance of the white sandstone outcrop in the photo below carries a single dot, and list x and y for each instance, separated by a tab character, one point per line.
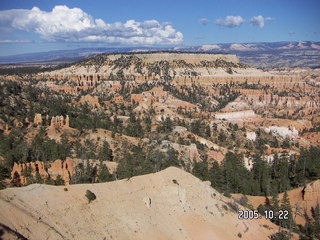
235	115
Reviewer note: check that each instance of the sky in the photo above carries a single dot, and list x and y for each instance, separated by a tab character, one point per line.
44	25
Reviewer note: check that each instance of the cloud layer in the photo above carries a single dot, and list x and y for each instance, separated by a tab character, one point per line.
230	21
74	25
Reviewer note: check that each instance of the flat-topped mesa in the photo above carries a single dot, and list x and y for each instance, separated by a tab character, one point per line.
171	57
146	64
178	68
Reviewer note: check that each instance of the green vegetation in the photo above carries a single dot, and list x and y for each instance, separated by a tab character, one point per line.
311	230
147	137
263	179
138	161
90	196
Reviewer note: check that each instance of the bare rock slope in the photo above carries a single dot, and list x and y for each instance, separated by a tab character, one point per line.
171	204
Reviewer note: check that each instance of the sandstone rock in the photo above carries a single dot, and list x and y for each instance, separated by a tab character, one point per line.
251	136
19	168
171	204
215	156
284	132
179	129
235	115
91	100
207	182
37	118
118	99
60	121
65	169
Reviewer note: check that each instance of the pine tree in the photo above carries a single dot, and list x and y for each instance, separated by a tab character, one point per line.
316	217
104	174
49	181
237	177
105	153
216	176
126	167
275	206
89	173
284	181
201	171
59	181
38	178
285	206
261	174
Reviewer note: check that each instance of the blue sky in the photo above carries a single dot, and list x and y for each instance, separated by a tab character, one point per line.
44	25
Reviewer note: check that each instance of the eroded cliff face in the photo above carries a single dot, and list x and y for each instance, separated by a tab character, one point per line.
63	168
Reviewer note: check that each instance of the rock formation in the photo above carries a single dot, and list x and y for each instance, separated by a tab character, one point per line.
91	100
283	132
37	118
170	204
65	169
189	152
251	136
60	121
235	115
19	170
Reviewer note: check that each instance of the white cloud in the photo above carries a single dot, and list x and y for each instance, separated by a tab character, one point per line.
75	25
230	21
291	32
259	21
204	21
14	41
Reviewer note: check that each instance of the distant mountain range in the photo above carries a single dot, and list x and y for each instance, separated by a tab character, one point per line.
264	55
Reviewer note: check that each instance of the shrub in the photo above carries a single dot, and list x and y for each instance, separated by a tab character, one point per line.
59	181
233	206
280	236
90	195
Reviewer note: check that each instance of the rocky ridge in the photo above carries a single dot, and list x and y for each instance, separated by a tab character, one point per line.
165	205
